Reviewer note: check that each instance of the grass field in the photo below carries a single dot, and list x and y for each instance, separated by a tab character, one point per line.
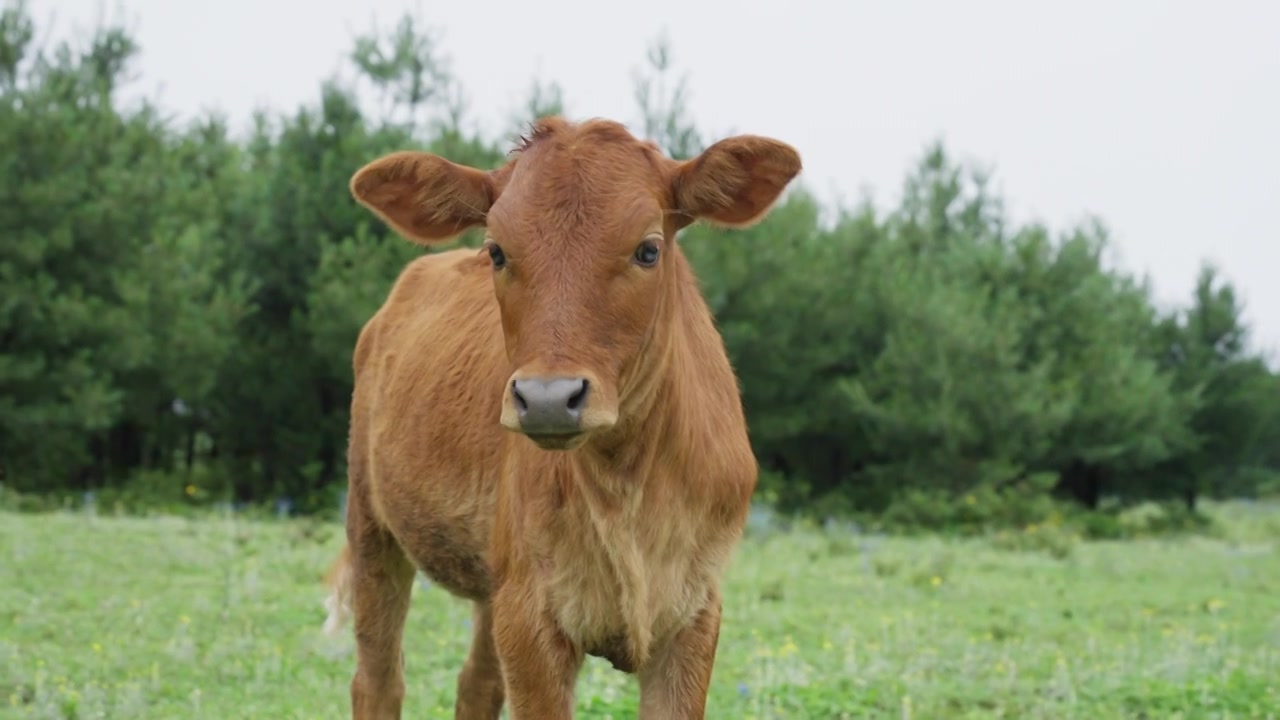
220	618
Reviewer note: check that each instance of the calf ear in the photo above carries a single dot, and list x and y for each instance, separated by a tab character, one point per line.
425	197
735	181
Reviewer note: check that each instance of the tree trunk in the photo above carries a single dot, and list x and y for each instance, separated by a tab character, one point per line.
1082	482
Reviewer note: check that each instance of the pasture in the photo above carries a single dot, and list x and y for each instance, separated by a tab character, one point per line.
220	616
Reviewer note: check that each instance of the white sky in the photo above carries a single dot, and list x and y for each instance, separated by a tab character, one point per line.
1162	117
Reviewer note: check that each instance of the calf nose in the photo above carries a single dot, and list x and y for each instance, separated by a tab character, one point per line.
549	406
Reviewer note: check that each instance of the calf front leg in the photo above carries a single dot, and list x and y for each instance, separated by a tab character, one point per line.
382	583
539	663
675	680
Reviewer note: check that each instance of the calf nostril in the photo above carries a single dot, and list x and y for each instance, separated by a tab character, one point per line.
576	399
521	403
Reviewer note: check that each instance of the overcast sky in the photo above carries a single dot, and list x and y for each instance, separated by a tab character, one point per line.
1161	117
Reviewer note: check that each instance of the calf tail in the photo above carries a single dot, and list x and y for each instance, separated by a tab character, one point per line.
339	601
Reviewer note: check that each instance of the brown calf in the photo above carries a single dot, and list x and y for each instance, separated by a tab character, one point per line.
600	525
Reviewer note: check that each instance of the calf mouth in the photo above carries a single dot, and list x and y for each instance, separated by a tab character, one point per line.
557	441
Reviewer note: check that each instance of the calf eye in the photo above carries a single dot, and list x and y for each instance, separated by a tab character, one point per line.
646	254
496	255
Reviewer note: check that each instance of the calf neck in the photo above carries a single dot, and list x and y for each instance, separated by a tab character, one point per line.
549	426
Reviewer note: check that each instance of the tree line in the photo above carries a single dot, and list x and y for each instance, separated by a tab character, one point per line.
178	306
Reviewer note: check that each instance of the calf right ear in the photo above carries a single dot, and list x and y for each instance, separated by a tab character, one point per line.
425	197
736	181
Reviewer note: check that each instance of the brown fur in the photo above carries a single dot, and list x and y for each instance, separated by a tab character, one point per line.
611	543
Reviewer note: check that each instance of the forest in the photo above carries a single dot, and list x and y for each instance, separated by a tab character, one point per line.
179	304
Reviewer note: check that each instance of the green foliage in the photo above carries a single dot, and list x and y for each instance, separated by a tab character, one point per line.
1024	505
176	301
663	103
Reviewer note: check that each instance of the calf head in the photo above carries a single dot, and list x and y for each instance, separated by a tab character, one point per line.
580	232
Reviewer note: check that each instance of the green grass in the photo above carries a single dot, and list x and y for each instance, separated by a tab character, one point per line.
220	618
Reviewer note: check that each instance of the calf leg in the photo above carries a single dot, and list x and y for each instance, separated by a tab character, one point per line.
381	586
675	680
539	664
480	692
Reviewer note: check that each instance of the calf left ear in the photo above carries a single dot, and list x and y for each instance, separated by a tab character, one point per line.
425	197
734	182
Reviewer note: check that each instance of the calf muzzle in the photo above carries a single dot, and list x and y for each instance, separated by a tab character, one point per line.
550	406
